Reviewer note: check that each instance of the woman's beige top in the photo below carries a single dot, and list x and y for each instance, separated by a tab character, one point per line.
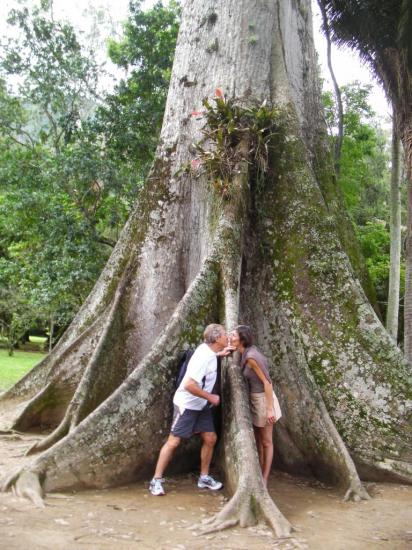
254	383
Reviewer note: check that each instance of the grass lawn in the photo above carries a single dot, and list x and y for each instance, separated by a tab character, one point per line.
13	368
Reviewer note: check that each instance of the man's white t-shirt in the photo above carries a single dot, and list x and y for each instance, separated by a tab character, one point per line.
202	364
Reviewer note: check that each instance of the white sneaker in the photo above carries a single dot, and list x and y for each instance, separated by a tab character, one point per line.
207	482
156	487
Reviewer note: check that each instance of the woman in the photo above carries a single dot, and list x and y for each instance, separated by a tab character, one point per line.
254	367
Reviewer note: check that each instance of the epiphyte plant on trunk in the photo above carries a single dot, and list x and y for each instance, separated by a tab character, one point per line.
227	125
277	253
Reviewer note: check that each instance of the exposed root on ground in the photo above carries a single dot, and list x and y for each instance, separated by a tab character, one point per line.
245	508
84	394
356	490
25	484
6	433
28	486
398	470
33	407
251	501
47	442
308	421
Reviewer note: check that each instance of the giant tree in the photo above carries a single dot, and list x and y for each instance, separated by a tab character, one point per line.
239	219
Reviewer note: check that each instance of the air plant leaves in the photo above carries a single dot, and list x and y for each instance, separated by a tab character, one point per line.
227	122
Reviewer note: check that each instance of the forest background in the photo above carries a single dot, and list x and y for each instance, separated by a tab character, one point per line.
76	144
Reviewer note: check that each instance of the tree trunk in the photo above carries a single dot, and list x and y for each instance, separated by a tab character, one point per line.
406	135
392	312
269	253
393	67
408	276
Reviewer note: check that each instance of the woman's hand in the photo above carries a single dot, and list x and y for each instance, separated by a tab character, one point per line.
271	418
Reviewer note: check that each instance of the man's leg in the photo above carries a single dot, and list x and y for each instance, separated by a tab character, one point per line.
206	481
165	455
206	452
205	427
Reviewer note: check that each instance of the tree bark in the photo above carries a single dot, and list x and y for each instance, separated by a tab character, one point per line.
392	312
406	134
408	275
271	255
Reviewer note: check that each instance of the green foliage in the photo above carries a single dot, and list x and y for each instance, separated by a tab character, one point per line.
375	244
71	162
131	117
16	316
51	176
365	180
54	77
365	157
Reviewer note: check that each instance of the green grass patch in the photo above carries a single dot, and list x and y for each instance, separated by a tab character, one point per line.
13	368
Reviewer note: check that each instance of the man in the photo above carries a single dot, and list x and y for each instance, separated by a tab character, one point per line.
192	408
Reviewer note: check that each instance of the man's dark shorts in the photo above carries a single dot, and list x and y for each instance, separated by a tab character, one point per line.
187	422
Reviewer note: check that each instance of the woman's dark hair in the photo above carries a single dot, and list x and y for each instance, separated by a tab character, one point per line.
245	335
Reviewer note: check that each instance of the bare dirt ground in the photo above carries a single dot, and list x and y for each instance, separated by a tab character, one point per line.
130	518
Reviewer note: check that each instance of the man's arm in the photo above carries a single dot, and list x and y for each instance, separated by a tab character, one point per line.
193	387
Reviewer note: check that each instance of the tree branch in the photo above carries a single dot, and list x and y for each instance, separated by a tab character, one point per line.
18	131
338	96
106	240
54	129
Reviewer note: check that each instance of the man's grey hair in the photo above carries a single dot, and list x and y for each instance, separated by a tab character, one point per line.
212	333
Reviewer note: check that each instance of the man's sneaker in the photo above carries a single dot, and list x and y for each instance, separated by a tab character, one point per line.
207	482
156	487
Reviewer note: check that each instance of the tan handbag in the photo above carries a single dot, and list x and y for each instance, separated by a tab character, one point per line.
276	408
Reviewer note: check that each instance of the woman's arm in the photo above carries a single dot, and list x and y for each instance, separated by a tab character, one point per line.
267	388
